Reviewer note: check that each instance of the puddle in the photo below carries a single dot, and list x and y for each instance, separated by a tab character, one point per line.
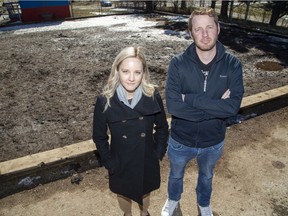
269	66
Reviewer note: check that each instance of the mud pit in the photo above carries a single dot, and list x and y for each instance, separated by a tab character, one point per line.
50	80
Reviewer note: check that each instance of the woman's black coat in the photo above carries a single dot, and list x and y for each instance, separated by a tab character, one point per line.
138	142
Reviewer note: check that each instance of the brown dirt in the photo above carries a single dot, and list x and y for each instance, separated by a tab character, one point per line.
250	179
49	82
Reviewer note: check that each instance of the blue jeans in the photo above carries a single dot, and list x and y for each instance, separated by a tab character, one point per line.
179	155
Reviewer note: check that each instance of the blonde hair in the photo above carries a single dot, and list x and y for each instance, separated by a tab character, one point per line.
202	11
113	81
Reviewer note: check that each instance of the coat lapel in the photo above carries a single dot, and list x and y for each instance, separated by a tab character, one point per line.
120	112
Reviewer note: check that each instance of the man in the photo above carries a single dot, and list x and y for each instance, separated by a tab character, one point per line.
204	87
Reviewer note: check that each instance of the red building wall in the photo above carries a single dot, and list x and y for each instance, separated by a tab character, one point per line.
37	11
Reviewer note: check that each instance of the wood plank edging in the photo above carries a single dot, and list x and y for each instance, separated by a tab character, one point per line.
253	100
46	157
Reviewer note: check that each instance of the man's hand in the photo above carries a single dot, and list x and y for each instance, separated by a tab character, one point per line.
226	94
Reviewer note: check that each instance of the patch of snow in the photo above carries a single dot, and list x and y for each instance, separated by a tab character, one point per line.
131	23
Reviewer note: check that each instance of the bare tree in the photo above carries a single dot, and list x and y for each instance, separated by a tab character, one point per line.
224	10
247	9
231	11
279	9
213	4
183	4
202	3
175	5
149	6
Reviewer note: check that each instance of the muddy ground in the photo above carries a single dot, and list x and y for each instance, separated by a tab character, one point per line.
48	85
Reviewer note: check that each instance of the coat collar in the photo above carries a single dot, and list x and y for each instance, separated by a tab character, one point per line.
119	111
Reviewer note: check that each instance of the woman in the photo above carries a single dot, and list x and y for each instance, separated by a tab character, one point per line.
132	110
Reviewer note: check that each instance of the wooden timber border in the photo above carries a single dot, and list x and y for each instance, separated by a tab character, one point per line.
31	170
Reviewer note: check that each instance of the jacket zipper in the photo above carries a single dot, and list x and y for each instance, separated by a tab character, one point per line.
205	73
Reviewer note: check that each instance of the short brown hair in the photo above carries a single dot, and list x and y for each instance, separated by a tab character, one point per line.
202	11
